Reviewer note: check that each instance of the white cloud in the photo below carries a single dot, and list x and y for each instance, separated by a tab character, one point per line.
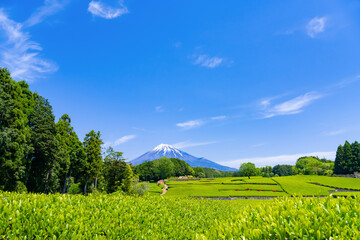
274	160
292	106
159	109
123	139
118	141
99	9
219	118
190	124
206	61
49	8
21	55
188	144
334	133
316	26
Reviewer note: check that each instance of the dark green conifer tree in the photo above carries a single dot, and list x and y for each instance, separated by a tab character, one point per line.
94	164
45	166
14	133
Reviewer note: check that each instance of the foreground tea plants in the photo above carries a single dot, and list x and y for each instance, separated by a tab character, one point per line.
152	217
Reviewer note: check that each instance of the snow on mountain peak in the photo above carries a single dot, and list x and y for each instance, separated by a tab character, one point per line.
166	148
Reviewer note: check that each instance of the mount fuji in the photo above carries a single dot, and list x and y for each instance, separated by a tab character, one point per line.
165	150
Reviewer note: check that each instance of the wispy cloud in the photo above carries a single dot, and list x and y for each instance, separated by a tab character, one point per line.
97	8
347	81
334	133
206	61
258	145
292	106
49	8
222	117
21	55
188	144
159	109
316	26
119	141
274	160
190	124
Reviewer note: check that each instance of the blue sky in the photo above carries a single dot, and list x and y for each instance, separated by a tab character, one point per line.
232	81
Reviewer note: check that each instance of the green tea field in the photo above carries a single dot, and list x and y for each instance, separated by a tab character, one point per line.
117	216
299	185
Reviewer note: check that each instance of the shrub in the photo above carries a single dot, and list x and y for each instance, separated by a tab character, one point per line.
75	189
20	187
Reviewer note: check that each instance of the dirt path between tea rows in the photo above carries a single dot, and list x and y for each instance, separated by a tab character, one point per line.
164	189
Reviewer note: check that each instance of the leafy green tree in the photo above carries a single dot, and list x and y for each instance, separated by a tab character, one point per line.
313	166
265	171
247	169
146	171
164	168
45	165
93	165
181	168
115	170
283	170
15	146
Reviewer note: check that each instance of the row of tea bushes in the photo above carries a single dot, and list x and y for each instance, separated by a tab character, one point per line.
117	216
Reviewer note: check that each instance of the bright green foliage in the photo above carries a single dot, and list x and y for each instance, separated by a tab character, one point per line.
118	216
247	169
15	147
145	171
336	182
181	168
301	185
265	171
162	168
94	164
314	166
116	171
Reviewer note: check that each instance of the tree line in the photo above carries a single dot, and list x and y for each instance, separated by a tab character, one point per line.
38	154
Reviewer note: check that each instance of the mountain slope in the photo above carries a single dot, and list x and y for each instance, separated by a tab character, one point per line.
171	152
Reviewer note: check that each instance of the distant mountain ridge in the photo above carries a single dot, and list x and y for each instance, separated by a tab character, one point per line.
165	150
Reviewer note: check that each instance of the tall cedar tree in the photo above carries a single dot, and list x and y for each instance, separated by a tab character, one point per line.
349	159
14	132
45	164
71	151
93	166
356	154
339	161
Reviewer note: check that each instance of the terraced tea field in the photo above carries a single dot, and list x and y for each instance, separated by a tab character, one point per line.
256	187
